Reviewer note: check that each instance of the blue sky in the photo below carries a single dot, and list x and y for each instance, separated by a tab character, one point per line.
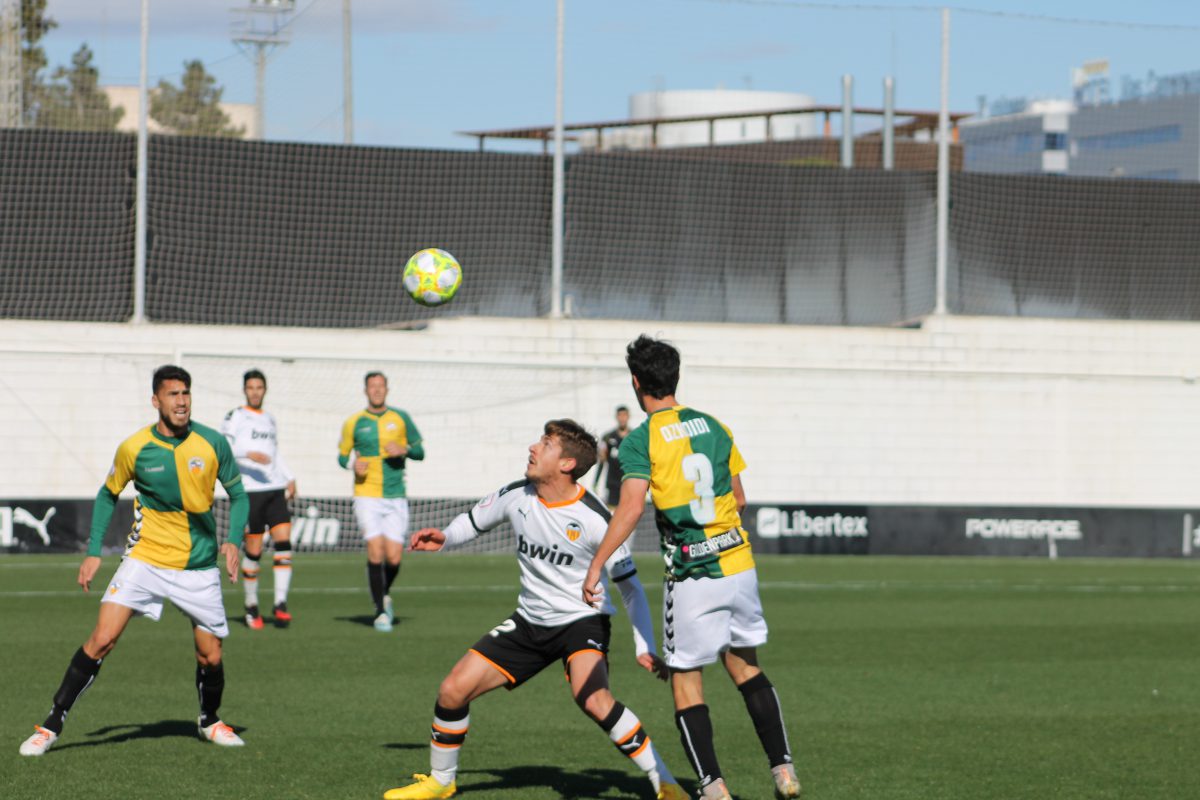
424	69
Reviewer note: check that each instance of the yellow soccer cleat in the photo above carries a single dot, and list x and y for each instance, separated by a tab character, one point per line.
426	788
671	791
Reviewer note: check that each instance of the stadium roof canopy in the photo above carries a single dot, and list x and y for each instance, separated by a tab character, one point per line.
914	121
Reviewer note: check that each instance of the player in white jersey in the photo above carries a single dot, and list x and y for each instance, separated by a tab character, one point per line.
558	527
253	435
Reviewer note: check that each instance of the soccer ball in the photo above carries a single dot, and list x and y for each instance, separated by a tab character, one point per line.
432	277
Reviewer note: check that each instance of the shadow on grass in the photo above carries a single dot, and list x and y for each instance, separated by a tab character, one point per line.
367	619
586	784
113	734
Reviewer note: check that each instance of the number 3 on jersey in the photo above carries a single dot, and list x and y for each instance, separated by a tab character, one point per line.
698	471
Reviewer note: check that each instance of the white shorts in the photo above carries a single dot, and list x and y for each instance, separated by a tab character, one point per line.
704	617
382	516
195	592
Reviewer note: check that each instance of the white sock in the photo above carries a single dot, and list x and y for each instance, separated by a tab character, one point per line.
632	740
443	759
250	579
283	575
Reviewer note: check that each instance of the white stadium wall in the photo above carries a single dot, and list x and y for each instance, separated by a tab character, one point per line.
962	411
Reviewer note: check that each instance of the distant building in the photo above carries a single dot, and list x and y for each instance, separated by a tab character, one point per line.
706	102
1032	140
1151	133
1151	139
241	115
748	126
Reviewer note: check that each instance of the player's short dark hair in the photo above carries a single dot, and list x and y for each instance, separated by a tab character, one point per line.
251	374
169	372
622	408
655	364
576	443
374	374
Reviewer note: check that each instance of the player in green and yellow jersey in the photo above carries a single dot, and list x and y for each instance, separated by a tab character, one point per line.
711	610
171	554
382	439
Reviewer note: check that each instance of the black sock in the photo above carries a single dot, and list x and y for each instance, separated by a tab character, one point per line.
763	704
210	681
390	572
613	717
696	735
80	674
375	580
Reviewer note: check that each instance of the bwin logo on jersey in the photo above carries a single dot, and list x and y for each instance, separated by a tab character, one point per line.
550	554
574	530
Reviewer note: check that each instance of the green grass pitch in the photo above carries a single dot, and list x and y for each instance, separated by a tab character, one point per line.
913	678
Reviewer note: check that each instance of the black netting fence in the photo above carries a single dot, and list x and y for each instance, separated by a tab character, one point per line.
246	233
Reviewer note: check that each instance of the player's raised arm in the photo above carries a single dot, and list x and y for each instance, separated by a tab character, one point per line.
620	528
485	515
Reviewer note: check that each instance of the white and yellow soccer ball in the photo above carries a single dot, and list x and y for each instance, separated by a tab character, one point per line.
432	277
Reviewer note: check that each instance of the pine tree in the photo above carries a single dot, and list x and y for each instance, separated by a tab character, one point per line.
194	107
34	27
74	101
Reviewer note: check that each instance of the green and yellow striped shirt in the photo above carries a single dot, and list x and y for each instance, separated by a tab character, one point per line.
366	433
690	459
173	522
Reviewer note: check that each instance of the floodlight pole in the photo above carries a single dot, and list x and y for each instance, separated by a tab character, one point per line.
889	123
556	212
11	84
943	172
347	83
260	92
259	32
143	137
847	121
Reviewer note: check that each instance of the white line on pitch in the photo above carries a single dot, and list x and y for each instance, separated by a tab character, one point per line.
510	587
845	586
